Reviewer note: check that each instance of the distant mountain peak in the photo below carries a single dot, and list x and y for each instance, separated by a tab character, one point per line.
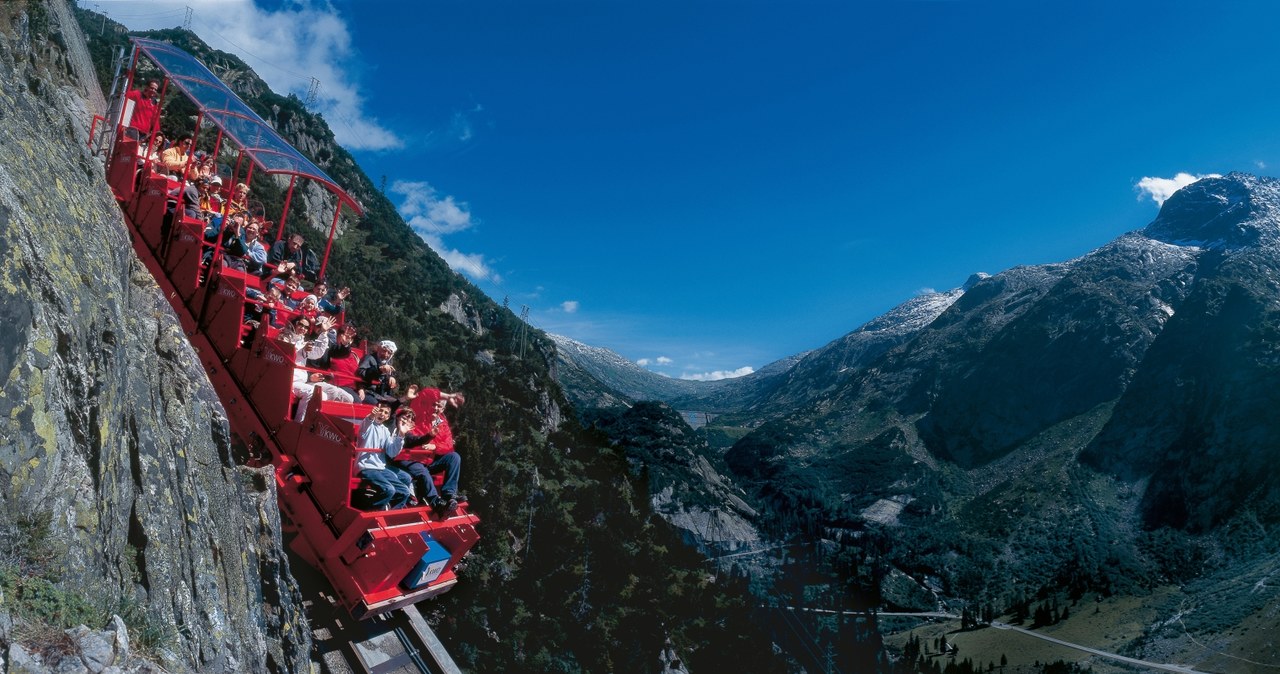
974	279
1233	211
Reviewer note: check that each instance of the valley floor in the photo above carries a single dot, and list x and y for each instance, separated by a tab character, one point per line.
1110	636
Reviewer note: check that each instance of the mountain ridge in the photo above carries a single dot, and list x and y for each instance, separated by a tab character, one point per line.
1099	425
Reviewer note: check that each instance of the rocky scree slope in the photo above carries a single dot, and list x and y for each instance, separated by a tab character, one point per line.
115	450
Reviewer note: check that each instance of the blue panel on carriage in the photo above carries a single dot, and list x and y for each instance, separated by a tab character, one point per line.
430	566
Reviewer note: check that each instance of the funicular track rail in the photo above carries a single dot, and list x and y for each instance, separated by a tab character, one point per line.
399	642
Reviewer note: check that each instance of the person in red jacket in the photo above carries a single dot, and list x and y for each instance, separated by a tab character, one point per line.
145	108
428	406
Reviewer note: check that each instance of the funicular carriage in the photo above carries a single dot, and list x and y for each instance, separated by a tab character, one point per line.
376	561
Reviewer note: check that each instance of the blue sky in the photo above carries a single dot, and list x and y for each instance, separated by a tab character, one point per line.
719	184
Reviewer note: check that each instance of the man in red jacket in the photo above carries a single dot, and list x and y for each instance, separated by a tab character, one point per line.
428	405
145	108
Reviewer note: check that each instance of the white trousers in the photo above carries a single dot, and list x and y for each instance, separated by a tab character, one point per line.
304	390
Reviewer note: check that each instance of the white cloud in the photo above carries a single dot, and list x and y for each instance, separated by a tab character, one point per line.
1262	165
719	374
429	213
663	360
643	362
570	306
472	264
460	127
286	47
1160	189
432	216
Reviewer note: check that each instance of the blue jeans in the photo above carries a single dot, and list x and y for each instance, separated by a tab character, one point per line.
450	464
393	485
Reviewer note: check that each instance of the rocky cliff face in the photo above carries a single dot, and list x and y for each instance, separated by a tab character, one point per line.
1197	419
112	436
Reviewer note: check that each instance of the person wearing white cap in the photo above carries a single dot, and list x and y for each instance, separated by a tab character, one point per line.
376	374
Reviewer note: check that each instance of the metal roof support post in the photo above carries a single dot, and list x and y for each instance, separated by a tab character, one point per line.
248	178
217	147
127	87
155	123
288	197
191	153
329	246
248	182
235	173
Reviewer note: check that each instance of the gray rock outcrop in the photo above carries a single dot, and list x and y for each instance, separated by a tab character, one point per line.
114	449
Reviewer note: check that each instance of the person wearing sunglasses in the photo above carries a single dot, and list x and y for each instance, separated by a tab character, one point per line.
297	332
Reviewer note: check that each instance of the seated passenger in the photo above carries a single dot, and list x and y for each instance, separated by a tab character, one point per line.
376	374
309	305
262	303
330	302
429	406
293	292
190	198
291	250
239	198
392	484
150	151
149	157
255	253
296	332
210	200
202	166
341	361
435	436
241	248
231	241
174	159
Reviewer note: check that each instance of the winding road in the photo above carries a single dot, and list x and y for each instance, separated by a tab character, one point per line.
1106	654
1181	669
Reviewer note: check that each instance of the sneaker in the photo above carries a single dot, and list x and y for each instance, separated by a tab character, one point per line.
443	506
